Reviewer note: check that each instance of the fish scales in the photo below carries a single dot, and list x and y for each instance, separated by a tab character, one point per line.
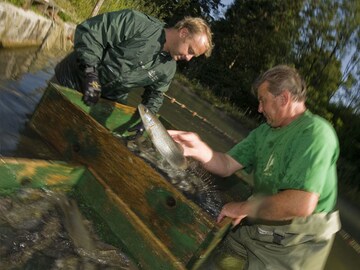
167	147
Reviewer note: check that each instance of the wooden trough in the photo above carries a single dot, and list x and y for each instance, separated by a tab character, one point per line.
158	226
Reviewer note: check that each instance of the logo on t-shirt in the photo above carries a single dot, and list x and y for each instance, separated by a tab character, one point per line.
269	166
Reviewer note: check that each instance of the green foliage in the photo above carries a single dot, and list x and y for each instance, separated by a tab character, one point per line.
326	33
322	74
347	125
253	36
18	3
79	11
168	10
64	16
171	11
348	130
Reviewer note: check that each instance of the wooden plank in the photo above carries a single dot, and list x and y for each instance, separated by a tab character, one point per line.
114	116
19	172
135	241
180	227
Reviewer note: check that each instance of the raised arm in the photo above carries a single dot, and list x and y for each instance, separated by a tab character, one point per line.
215	162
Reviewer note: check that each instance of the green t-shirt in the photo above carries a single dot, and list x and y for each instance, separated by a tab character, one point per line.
301	155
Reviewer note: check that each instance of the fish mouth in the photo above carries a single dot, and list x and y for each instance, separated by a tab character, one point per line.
142	110
146	116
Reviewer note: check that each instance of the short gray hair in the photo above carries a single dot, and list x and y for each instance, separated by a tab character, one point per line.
280	78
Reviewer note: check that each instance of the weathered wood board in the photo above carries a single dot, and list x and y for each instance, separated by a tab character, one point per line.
20	172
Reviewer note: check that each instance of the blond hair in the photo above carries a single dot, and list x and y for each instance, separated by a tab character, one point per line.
197	26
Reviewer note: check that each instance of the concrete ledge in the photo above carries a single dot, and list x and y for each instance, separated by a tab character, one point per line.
21	28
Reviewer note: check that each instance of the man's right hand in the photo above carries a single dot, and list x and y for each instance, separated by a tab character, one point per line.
91	87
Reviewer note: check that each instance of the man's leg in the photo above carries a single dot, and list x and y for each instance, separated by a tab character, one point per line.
229	255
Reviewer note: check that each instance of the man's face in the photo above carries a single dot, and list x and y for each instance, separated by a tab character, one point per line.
187	46
270	106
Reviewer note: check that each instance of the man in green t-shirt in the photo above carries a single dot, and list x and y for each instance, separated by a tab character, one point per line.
290	221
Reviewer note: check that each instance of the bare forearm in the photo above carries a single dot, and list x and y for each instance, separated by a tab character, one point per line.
221	164
285	205
216	164
270	209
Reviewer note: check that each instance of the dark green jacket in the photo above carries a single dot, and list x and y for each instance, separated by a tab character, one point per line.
126	49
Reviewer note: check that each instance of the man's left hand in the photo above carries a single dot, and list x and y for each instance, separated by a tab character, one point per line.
235	210
91	87
138	129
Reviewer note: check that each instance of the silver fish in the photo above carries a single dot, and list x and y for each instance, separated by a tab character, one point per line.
167	147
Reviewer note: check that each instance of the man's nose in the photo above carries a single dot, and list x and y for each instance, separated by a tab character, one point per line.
260	108
188	57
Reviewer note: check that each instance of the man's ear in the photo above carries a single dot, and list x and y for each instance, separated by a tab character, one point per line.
184	32
285	97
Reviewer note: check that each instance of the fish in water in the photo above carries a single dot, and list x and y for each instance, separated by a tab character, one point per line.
54	235
84	244
171	151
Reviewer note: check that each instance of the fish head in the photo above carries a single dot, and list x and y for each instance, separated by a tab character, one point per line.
163	142
147	117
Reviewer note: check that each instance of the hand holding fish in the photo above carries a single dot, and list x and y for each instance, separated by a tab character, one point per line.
215	162
192	144
161	139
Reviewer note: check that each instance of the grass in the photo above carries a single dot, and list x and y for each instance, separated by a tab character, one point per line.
224	105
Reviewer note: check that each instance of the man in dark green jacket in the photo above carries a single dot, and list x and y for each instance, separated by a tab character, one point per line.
117	51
